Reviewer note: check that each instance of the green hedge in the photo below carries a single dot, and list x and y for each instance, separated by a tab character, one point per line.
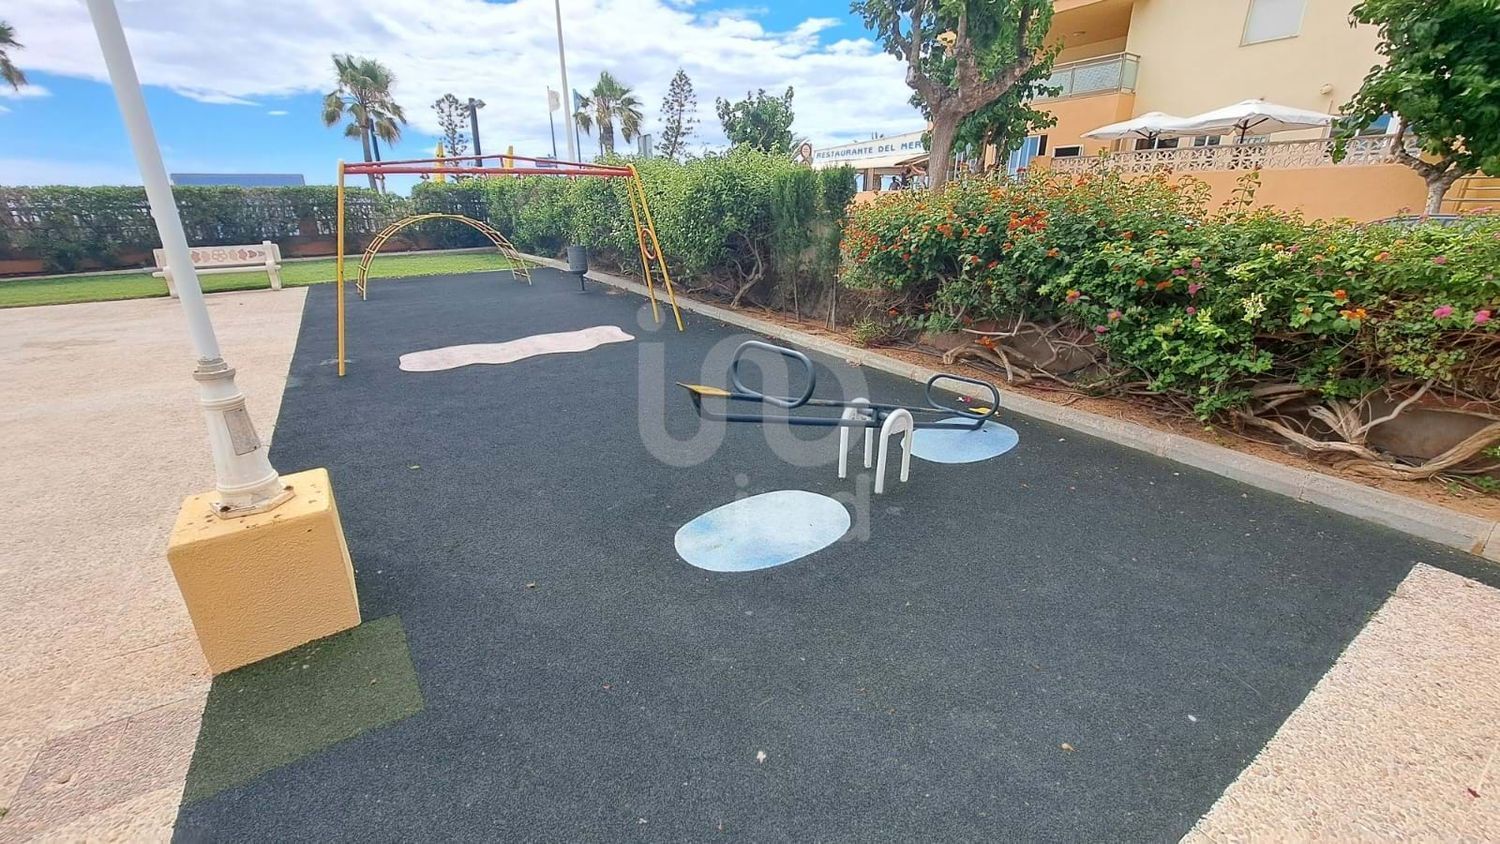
68	226
745	223
1305	328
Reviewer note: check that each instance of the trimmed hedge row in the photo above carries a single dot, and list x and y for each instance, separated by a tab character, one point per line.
67	227
744	224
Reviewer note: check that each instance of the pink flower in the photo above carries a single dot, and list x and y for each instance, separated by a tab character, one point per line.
1440	259
1197	262
1481	317
1294	248
1100	329
1114	316
1179	271
1073	296
1193	288
1191	310
1442	311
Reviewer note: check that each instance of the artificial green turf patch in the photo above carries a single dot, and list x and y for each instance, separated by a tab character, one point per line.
281	709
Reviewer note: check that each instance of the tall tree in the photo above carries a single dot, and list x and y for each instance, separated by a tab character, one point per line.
679	114
453	118
1441	78
760	121
8	70
609	103
961	56
364	94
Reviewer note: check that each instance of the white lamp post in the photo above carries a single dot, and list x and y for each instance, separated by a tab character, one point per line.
246	483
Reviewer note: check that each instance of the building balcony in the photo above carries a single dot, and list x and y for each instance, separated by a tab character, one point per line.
1276	155
1112	74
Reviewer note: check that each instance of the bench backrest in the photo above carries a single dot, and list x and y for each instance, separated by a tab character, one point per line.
249	255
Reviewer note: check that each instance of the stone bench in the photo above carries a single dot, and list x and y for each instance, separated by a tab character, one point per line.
226	259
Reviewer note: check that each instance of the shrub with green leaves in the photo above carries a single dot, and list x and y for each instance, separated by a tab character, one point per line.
1209	307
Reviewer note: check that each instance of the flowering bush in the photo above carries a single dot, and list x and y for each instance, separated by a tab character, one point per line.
1216	309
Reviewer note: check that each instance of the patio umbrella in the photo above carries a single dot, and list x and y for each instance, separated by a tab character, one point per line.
1150	126
1258	115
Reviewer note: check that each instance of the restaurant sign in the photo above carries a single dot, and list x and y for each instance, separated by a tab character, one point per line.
880	152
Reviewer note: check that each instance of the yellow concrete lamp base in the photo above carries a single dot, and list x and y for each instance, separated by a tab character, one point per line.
261	584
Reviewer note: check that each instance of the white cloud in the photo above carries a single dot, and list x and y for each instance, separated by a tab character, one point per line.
277	112
237	51
24	92
4	110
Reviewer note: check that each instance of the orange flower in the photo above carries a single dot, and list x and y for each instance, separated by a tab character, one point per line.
1140	282
984	228
1127	235
1053	252
987	342
1164	285
1340	295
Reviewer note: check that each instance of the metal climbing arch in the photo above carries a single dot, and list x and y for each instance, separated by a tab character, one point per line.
518	267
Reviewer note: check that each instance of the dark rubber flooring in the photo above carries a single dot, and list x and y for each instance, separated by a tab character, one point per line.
1072	641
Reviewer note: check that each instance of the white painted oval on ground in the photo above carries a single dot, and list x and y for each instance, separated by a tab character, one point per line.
452	357
770	529
936	445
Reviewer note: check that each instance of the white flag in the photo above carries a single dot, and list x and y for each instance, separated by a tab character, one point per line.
554	102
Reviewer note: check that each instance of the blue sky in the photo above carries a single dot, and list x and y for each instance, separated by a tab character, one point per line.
236	87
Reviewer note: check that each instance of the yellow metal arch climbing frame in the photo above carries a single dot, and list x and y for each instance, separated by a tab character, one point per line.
518	268
653	266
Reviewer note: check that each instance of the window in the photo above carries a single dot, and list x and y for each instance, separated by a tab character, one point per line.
1206	141
1030	148
1155	143
1269	20
1067	152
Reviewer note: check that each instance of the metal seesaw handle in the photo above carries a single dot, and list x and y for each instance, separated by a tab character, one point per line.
779	401
961	412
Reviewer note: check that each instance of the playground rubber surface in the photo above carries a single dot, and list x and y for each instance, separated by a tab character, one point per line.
1070	641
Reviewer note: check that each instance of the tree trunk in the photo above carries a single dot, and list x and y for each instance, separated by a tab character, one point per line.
1437	188
944	128
364	140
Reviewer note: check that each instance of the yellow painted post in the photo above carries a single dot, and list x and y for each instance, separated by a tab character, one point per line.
339	264
440	176
640	241
651	228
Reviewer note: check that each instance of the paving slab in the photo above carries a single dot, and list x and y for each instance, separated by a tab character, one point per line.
103	440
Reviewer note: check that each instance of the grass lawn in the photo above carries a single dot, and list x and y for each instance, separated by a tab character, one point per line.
139	284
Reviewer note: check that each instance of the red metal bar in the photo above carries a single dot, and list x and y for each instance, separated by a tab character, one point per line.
390	168
452	163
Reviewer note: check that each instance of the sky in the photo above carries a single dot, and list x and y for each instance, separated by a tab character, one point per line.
236	85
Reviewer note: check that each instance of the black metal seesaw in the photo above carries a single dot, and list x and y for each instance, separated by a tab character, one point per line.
857	413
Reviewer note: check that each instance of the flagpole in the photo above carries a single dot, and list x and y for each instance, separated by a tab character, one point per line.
567	92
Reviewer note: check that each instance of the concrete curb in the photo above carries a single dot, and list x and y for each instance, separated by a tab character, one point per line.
1473	534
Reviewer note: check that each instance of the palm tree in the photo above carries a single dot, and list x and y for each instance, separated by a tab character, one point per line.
608	102
8	71
364	94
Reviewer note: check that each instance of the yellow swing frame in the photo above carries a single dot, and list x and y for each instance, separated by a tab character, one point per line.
652	263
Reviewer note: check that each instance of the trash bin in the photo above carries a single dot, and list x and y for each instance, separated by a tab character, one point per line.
578	259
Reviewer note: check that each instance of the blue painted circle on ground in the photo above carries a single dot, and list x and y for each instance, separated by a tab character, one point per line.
936	445
770	529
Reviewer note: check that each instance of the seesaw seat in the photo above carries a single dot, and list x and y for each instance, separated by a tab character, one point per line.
857	413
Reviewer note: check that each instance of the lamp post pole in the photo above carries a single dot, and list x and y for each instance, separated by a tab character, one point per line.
245	480
474	107
567	92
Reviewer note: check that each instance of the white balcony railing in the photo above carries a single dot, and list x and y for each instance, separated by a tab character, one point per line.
1106	74
1273	155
